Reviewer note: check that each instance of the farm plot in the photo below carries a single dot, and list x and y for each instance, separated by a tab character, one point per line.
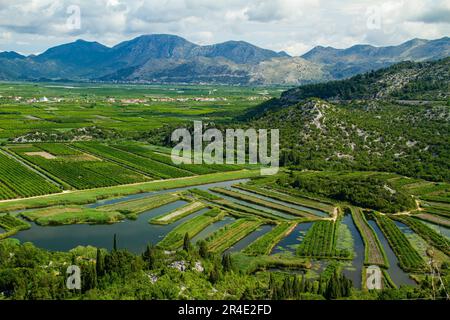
374	254
264	244
264	203
320	242
79	170
17	181
144	165
288	198
11	225
438	208
141	205
71	215
166	159
433	219
227	236
178	213
242	210
174	239
409	259
431	236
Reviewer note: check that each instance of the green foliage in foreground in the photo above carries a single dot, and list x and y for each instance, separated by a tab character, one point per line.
121	275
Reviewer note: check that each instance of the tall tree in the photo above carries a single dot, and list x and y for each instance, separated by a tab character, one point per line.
100	263
115	242
187	243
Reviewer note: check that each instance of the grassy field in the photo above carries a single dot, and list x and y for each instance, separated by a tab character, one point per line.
72	215
76	169
129	109
237	207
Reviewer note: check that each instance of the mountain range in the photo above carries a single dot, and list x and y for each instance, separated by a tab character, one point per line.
164	58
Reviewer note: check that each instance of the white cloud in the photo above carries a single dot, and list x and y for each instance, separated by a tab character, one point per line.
291	25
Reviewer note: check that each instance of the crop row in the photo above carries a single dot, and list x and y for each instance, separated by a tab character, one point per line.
431	236
320	242
86	174
409	259
264	203
165	159
225	237
288	198
146	165
174	239
18	181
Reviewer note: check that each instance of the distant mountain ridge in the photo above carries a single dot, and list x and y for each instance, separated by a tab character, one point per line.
343	63
166	58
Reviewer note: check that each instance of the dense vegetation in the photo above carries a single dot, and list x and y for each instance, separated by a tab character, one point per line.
361	190
18	181
320	242
118	274
431	236
409	258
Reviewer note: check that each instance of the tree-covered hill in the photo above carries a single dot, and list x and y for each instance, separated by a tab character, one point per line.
403	81
396	120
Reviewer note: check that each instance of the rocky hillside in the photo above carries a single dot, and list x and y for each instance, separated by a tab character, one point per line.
344	63
403	81
396	120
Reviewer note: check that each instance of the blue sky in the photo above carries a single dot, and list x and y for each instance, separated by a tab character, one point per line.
295	26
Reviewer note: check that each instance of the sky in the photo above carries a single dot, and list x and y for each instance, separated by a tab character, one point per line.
294	26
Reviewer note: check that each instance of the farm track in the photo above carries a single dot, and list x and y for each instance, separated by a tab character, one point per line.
374	252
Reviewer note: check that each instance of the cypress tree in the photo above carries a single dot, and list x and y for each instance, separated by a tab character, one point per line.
226	262
203	249
115	242
100	263
187	243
